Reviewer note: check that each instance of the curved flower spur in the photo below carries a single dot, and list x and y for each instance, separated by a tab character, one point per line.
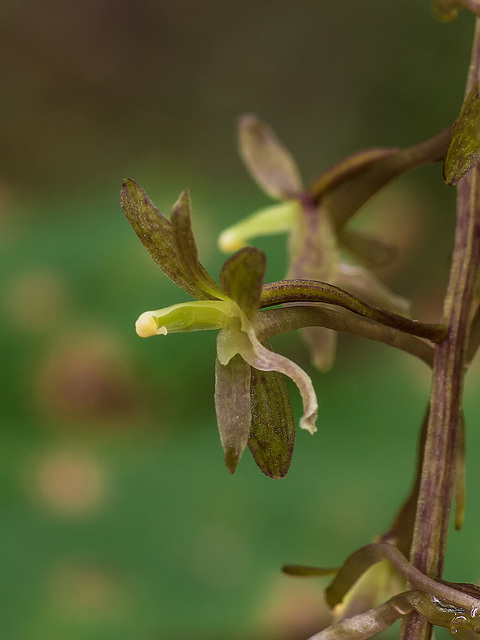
252	402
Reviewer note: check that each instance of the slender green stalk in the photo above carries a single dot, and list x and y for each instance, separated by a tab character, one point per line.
438	470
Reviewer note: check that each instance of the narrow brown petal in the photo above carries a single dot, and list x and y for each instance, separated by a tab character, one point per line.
232	403
270	164
156	234
181	220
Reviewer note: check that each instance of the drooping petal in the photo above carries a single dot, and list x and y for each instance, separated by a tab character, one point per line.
270	164
313	246
464	150
322	345
232	403
156	235
278	218
362	283
181	220
239	337
241	279
272	434
314	256
184	317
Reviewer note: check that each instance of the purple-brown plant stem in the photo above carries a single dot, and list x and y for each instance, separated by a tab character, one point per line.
438	471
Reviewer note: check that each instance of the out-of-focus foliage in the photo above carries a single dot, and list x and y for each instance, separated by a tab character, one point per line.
103	534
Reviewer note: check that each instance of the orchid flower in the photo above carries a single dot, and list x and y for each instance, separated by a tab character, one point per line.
455	606
315	219
252	402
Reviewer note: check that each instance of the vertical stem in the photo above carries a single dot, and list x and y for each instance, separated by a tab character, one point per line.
438	470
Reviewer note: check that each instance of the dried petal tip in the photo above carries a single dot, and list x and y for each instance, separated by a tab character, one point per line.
308	422
146	326
231	459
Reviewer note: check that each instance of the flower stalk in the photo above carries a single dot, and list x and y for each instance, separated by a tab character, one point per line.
438	470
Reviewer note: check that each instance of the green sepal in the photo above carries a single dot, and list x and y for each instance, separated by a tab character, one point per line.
157	236
232	404
181	220
241	279
464	150
272	433
268	161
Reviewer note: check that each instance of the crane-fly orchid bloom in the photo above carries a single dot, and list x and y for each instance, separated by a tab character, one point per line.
452	605
315	234
251	398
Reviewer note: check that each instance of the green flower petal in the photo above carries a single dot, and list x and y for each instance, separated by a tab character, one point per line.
272	434
156	235
278	218
181	221
270	164
232	403
241	279
464	151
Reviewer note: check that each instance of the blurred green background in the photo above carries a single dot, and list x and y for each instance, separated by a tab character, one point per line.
118	518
